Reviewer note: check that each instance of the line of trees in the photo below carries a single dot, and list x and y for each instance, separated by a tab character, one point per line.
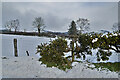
15	24
83	24
39	24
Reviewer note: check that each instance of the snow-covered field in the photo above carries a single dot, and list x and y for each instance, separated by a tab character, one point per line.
25	43
29	43
25	67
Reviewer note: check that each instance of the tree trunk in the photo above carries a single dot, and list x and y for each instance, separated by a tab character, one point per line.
72	46
15	30
39	30
10	29
72	56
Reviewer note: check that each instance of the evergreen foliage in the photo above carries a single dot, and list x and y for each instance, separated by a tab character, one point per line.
84	48
72	29
53	54
114	67
104	44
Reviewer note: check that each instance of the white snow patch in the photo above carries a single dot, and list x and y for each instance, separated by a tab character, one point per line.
92	66
67	54
74	63
94	40
115	34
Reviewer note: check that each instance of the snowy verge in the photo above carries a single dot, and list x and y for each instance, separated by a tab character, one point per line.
29	67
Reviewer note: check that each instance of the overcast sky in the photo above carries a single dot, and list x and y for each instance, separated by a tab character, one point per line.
58	15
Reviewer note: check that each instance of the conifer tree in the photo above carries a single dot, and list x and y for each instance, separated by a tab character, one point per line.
72	29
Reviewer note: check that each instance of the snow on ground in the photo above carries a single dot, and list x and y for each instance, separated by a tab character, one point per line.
25	43
93	58
29	67
29	43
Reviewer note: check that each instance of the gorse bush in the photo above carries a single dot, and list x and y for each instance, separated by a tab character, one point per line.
53	54
104	44
84	48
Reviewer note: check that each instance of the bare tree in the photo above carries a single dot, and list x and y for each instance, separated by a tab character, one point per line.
83	24
12	24
8	26
15	24
38	23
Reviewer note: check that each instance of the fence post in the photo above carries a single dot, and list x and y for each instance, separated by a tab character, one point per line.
15	48
27	53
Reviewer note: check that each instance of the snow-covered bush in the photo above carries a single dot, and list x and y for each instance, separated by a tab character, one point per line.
105	44
53	54
84	49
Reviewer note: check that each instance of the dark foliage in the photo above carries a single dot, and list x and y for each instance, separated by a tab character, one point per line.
53	54
72	29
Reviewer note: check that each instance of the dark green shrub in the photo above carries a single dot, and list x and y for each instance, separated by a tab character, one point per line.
53	54
104	44
84	49
114	67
